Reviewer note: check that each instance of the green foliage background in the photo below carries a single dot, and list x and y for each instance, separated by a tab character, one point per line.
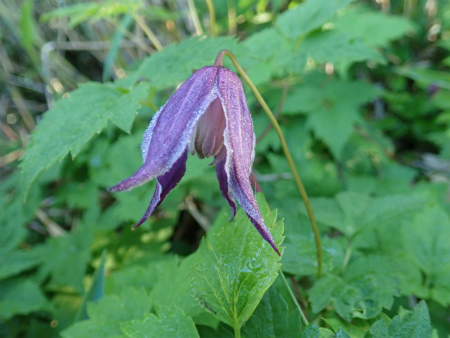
362	93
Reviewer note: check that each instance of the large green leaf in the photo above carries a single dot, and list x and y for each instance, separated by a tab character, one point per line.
65	258
308	16
235	267
177	62
109	312
169	322
273	318
20	297
74	120
407	324
426	241
368	285
373	27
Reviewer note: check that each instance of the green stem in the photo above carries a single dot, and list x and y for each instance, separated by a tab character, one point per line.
212	17
277	128
305	321
237	332
140	21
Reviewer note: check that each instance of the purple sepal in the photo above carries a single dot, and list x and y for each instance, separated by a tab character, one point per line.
164	184
224	188
239	140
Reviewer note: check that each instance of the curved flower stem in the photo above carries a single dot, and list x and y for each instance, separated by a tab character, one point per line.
212	17
140	21
277	128
305	321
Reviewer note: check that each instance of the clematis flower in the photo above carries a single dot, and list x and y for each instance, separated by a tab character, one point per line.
207	115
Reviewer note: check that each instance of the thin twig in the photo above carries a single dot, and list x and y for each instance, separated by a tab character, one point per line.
302	315
212	17
232	23
11	157
141	22
53	229
194	17
198	216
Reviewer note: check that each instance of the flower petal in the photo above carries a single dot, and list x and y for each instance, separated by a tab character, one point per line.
224	187
239	140
170	129
164	184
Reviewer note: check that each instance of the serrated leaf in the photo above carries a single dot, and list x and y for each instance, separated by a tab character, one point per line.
169	322
426	242
172	287
72	122
300	255
235	267
407	324
109	312
368	286
176	62
20	297
272	318
332	121
311	331
373	27
352	213
308	16
59	253
336	47
16	261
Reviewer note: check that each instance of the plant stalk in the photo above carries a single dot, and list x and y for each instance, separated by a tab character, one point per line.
286	151
212	17
140	21
305	321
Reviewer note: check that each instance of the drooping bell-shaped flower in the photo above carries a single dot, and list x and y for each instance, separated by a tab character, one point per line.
207	115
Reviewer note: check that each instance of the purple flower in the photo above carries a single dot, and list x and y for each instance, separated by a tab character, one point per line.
207	115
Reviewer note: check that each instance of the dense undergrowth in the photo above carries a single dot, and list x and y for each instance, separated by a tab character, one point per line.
361	90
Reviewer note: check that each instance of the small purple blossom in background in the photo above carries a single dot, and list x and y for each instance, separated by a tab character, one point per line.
207	115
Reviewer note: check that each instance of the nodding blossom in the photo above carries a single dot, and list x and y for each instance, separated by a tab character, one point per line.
207	115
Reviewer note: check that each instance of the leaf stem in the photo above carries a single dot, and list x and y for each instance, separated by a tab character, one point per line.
140	21
212	17
287	153
305	321
237	332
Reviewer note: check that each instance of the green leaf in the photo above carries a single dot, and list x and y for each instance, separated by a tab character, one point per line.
13	262
407	324
352	213
108	313
372	27
308	16
177	62
172	287
311	331
273	318
426	242
169	322
332	121
71	250
368	286
300	255
72	122
20	297
96	290
337	48
235	267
